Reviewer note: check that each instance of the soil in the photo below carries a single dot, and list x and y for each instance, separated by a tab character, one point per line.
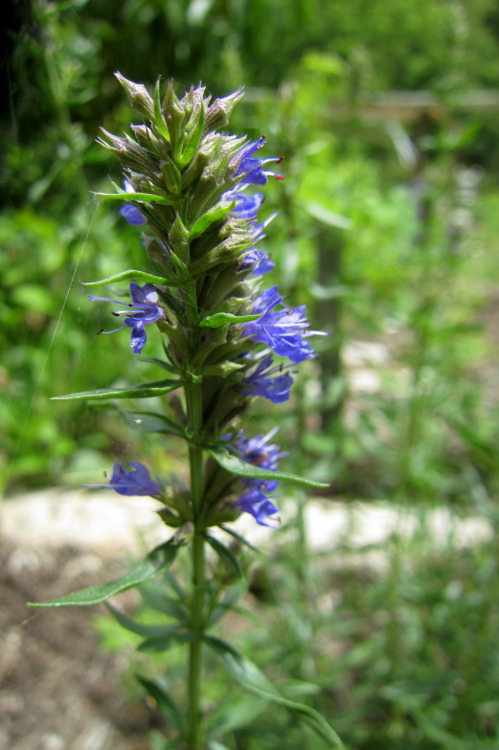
58	689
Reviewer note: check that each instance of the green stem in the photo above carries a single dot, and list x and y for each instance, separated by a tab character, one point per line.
194	397
194	714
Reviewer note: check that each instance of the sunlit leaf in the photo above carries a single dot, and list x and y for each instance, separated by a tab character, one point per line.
158	560
137	198
146	390
241	468
149	278
204	221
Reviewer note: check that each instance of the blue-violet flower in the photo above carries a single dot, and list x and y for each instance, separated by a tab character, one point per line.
141	311
261	382
283	330
134	482
251	167
259	452
129	212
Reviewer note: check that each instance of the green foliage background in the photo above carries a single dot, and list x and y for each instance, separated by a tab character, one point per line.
380	201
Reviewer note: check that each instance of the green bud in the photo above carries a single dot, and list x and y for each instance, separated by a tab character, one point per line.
138	95
178	240
215	178
195	169
172	176
174	115
224	253
227	284
132	156
197	110
146	138
156	250
220	111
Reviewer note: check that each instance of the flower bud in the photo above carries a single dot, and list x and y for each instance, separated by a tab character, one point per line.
138	95
220	111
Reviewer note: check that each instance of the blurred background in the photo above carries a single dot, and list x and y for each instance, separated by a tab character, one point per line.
387	114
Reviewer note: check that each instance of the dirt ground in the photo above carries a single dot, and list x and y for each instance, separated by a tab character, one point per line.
58	689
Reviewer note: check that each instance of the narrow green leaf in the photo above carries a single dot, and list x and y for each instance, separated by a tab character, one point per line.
240	538
146	631
221	319
155	598
150	278
146	390
157	644
158	560
222	647
251	678
241	468
226	555
158	115
137	198
204	221
151	422
160	362
167	706
170	578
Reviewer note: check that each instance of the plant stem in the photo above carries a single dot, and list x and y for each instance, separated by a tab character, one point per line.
194	714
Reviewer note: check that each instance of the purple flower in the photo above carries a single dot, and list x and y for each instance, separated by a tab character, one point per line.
135	482
246	205
259	452
129	212
255	501
250	168
283	330
261	382
264	266
258	261
143	311
132	215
